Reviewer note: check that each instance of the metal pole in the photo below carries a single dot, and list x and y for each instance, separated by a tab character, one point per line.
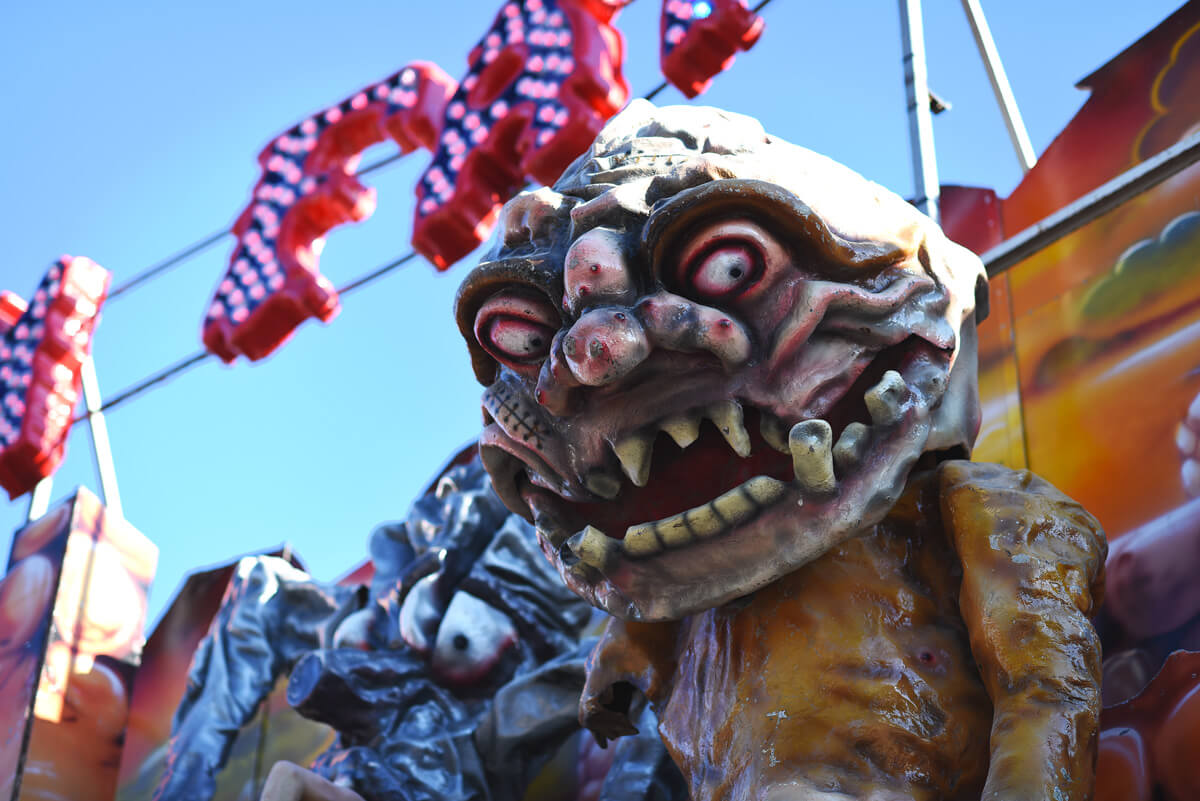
920	121
39	499
1004	95
1144	176
100	445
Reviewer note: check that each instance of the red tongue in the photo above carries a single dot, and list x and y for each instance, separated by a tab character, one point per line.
684	479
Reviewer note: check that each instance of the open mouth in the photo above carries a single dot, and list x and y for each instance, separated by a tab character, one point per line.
687	473
694	475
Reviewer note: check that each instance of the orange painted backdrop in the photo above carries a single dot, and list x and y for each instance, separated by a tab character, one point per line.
1091	356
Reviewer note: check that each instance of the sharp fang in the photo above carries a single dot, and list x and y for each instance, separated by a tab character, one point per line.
811	460
681	428
641	541
849	448
774	431
603	485
727	415
634	453
883	400
593	547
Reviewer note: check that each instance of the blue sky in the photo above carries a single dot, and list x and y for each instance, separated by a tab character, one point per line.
132	132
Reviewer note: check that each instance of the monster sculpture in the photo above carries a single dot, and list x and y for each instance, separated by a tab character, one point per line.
733	385
454	677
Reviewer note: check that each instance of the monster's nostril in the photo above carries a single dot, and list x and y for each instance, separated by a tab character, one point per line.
461	643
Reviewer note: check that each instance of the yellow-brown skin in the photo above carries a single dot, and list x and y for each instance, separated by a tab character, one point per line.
944	654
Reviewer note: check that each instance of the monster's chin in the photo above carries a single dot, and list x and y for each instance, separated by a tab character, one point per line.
708	525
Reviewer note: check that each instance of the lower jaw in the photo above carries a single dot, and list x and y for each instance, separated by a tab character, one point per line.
688	578
697	572
750	537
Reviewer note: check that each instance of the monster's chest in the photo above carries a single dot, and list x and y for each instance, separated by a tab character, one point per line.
853	668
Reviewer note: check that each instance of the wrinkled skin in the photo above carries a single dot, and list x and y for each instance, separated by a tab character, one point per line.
427	678
878	670
661	297
725	377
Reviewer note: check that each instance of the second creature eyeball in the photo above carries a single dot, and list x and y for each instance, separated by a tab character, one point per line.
516	328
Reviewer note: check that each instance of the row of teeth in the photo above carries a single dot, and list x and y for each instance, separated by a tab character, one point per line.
814	461
634	451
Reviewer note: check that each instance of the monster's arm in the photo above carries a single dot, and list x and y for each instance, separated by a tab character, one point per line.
1033	571
630	655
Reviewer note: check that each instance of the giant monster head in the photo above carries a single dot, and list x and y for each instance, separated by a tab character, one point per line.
711	355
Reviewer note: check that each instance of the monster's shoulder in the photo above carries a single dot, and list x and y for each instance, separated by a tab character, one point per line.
992	513
975	493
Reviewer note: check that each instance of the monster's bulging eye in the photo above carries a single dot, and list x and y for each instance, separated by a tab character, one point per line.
729	262
519	340
516	329
724	271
